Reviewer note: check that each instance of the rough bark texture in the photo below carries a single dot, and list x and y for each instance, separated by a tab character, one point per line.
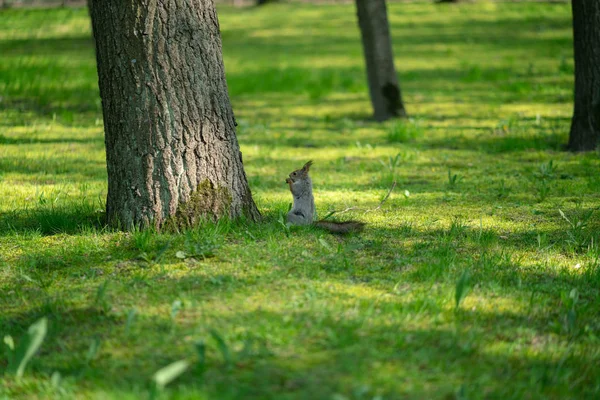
585	125
171	150
381	73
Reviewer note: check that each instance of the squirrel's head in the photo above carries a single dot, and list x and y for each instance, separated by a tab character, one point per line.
299	174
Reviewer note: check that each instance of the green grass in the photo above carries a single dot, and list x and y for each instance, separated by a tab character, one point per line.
468	283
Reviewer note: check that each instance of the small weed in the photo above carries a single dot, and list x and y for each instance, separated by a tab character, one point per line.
197	247
284	225
142	240
223	348
569	302
392	162
578	235
458	228
542	190
593	249
404	131
151	250
486	238
546	171
542	240
166	375
390	166
19	356
542	179
453	179
366	146
101	300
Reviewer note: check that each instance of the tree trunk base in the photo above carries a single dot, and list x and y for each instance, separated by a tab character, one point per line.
583	137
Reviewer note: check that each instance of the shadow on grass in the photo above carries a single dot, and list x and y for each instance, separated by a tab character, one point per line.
330	358
471	84
322	349
52	47
98	141
432	255
501	143
51	166
72	219
311	133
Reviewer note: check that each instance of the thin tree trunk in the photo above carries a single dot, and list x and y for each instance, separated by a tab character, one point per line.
171	150
585	125
384	88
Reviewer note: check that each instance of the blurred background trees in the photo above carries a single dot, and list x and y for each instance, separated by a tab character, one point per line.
384	88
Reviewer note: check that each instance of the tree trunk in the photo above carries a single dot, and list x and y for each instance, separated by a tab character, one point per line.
585	125
377	46
171	150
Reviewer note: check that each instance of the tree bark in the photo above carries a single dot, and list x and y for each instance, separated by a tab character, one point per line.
384	88
585	125
171	150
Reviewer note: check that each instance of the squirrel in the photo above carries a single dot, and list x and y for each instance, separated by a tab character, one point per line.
304	212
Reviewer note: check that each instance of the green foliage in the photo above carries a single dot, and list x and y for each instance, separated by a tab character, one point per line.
543	178
569	302
461	285
197	246
404	131
578	231
390	166
453	179
223	347
167	374
20	355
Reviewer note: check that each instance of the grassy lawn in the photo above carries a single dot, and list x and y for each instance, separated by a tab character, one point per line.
264	312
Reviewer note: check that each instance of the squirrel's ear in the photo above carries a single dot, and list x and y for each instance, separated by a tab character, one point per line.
307	166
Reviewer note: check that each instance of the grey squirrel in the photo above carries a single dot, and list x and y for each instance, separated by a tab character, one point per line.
304	212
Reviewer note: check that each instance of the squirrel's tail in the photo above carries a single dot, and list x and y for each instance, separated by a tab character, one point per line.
341	227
